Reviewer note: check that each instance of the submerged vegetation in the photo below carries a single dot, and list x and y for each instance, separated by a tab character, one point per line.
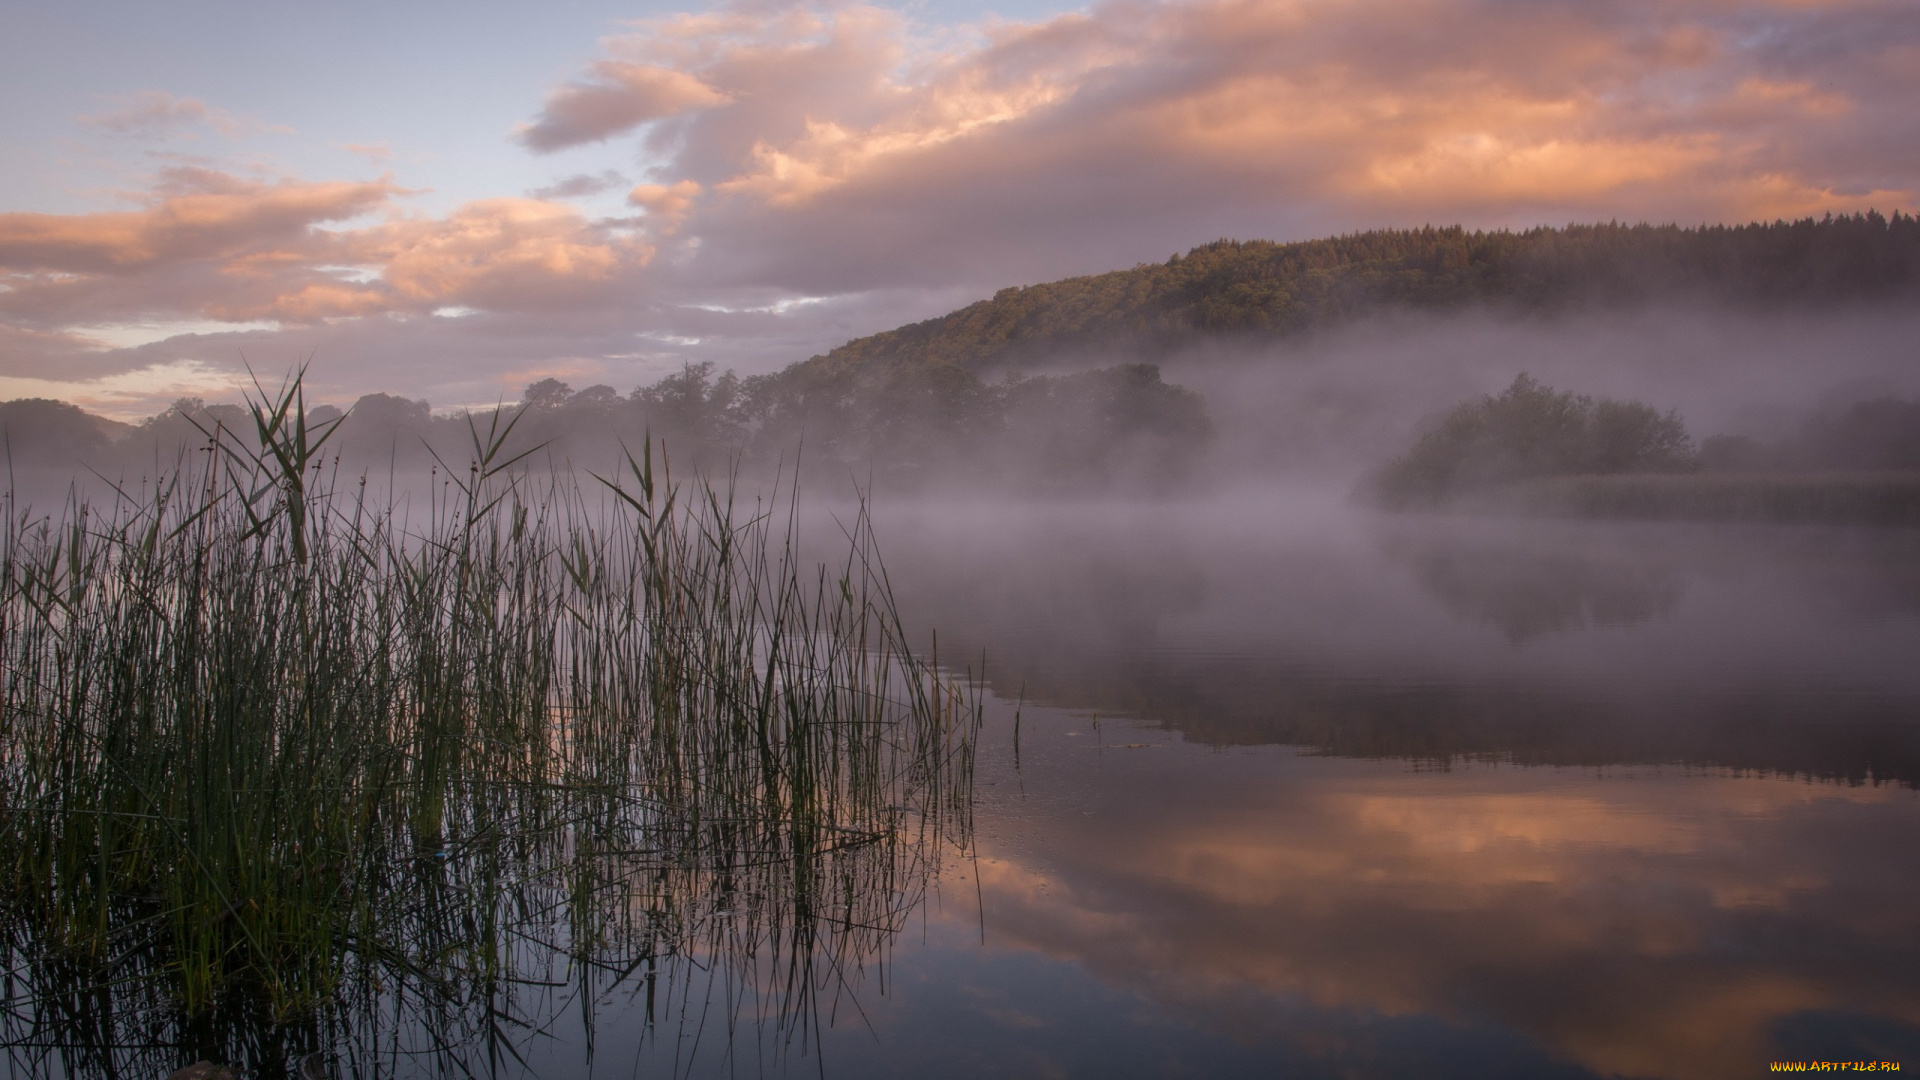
375	775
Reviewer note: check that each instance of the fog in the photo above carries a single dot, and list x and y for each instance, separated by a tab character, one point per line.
1336	403
1328	406
1233	580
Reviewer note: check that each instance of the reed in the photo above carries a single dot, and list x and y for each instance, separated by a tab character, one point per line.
271	747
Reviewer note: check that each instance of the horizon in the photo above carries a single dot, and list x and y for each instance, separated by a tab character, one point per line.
252	388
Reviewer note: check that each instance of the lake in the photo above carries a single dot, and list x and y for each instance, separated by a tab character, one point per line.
1269	785
1301	790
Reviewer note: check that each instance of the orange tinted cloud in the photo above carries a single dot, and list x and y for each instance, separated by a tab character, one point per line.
501	254
666	206
1509	894
196	214
215	246
1149	126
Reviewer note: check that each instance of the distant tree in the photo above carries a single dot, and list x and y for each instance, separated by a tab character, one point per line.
162	439
546	394
1531	430
1629	436
694	411
383	428
39	431
385	411
599	398
1118	426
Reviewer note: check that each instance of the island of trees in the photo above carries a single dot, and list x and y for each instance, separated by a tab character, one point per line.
1535	449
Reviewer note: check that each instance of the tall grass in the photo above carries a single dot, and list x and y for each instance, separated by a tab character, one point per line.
271	749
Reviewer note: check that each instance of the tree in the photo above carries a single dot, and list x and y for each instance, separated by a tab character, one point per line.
45	432
1531	430
546	394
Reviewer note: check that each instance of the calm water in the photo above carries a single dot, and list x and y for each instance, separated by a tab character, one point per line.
1300	791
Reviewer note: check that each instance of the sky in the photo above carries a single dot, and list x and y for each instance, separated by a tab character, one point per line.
449	201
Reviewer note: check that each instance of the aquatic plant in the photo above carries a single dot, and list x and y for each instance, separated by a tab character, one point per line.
273	750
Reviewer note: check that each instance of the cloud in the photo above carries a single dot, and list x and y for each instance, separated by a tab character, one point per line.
214	246
192	213
619	97
836	150
154	113
500	255
666	206
580	185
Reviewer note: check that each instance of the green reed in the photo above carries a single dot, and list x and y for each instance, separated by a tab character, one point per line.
265	740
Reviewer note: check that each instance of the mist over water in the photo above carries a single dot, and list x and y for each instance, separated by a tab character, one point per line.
1337	402
1305	620
1302	784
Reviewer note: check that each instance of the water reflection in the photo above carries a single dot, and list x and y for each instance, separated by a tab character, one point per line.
509	955
1778	651
1527	593
1651	924
1307	792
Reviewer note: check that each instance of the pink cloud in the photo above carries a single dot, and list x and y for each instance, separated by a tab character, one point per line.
499	254
844	152
192	214
666	205
152	113
619	97
580	185
211	245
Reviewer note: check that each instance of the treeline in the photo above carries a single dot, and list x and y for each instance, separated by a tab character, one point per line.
1244	289
1119	428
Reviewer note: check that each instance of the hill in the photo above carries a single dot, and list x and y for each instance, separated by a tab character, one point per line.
954	400
1234	288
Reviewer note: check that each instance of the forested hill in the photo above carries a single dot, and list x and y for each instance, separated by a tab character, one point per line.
1230	288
